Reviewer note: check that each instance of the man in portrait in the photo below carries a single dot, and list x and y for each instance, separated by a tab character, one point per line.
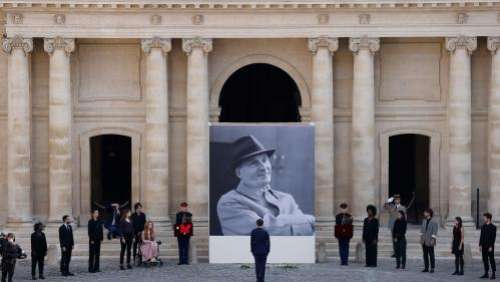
254	198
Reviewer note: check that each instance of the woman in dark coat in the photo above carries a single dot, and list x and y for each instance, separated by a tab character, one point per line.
38	250
399	237
127	235
457	247
370	236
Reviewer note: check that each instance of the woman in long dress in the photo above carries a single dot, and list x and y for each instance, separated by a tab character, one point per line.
149	247
457	247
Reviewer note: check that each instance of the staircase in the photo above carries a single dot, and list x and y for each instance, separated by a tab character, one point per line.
324	235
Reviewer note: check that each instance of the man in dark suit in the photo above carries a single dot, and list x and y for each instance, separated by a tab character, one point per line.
487	245
183	212
94	228
260	246
66	242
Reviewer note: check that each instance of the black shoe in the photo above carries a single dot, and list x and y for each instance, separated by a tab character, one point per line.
129	266
397	267
493	276
64	274
42	277
121	267
425	270
393	256
70	274
461	273
97	270
455	273
484	276
432	270
403	267
33	278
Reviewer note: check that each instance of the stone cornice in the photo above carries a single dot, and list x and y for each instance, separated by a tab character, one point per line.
188	44
467	42
249	4
331	43
17	42
52	44
164	43
359	43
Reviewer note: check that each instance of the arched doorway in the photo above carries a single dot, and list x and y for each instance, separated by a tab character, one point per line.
110	169
409	172
260	93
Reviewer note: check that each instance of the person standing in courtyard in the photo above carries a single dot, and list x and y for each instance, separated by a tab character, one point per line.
139	221
343	232
260	245
183	232
399	239
127	235
487	245
370	236
428	236
393	206
38	251
10	253
183	212
66	241
457	246
95	231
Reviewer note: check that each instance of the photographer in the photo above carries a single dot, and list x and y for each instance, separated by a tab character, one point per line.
10	253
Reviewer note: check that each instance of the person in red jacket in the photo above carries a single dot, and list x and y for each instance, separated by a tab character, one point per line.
183	232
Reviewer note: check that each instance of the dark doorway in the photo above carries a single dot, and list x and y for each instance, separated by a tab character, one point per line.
409	172
260	93
111	169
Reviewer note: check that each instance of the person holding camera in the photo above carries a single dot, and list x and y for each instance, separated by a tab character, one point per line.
10	253
38	250
343	232
428	236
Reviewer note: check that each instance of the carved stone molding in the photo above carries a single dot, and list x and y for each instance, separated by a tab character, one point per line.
188	44
493	44
328	42
359	43
466	42
462	18
197	19
59	19
364	18
323	19
155	19
16	18
164	43
65	44
17	42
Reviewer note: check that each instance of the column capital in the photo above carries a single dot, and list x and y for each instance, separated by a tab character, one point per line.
188	44
359	43
493	44
165	44
328	42
65	44
468	43
17	42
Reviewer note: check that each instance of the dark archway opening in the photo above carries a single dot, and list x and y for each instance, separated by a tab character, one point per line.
111	169
260	93
409	172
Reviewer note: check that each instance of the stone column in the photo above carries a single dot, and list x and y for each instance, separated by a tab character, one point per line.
197	125
60	124
459	127
494	129
19	129
156	135
322	116
363	125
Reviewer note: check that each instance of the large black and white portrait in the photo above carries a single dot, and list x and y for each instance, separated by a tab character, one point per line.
262	171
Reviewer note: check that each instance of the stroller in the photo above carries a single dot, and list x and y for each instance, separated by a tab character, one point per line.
156	261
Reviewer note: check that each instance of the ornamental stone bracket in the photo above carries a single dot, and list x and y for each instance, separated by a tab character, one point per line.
66	44
164	43
467	42
17	42
331	43
358	43
188	44
493	44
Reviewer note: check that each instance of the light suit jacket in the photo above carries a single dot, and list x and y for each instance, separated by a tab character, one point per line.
426	236
238	211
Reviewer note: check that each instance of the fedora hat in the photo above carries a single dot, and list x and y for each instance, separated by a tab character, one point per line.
247	147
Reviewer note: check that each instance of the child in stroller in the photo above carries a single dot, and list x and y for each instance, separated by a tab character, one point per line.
149	250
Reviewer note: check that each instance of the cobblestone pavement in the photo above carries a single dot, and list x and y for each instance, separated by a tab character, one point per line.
220	273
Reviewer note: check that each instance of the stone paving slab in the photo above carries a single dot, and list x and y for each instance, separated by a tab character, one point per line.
204	272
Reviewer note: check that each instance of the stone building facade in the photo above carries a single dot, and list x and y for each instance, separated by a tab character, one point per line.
153	71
